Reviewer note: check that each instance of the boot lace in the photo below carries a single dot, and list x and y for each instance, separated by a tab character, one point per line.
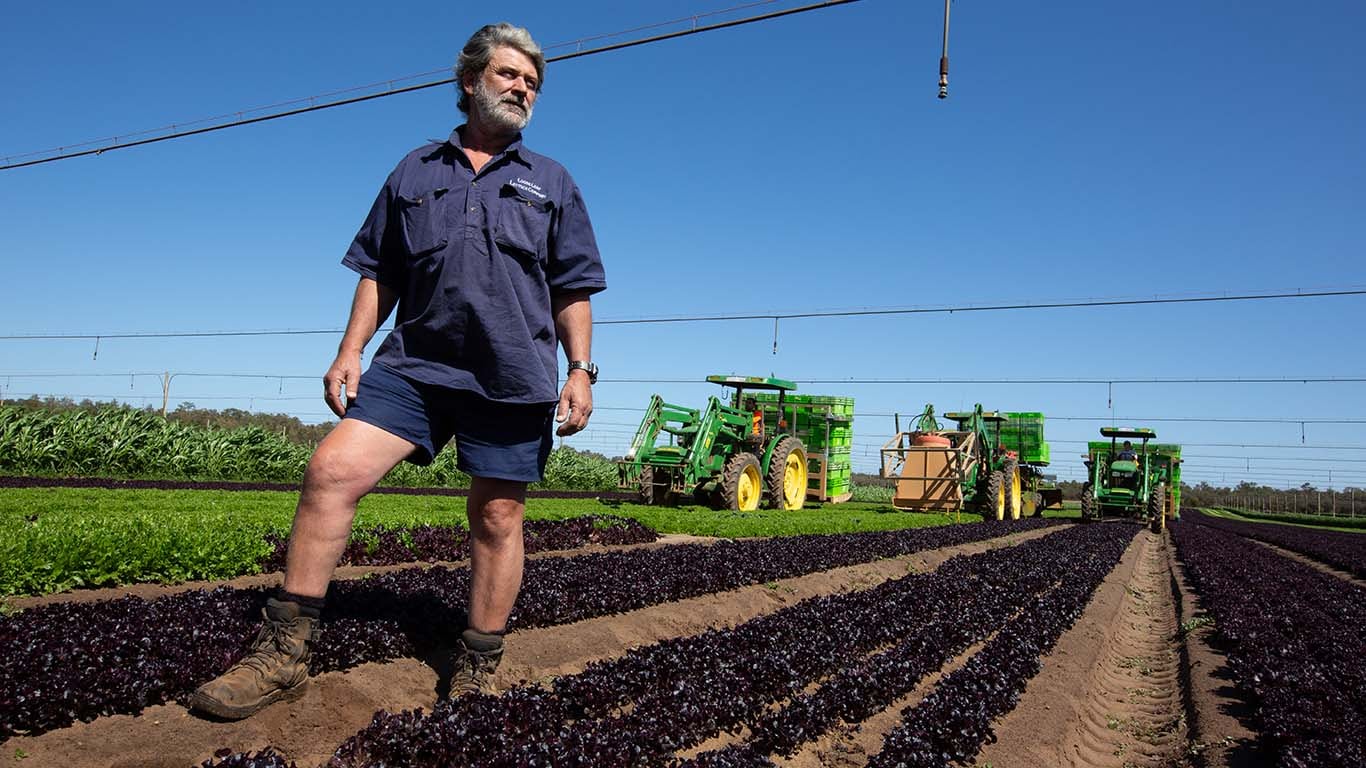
268	646
474	669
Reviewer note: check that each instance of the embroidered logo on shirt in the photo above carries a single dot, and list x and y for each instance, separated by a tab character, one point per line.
526	186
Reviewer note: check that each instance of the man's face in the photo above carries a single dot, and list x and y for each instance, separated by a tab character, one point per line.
504	93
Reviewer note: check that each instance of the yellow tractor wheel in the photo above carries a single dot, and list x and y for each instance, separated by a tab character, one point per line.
1013	490
787	474
741	485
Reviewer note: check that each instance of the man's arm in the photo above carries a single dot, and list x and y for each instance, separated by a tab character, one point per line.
370	307
574	326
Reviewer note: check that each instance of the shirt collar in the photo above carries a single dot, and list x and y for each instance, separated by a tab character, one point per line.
515	150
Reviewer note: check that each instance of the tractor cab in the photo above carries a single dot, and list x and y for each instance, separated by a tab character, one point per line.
1126	464
746	404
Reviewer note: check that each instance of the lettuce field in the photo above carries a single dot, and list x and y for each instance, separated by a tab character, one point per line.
894	640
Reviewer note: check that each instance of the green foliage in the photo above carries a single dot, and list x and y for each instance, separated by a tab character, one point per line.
873	493
53	539
1310	521
829	518
116	441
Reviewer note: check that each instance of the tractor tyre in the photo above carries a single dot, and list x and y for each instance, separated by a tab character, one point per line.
1088	503
994	500
787	474
1157	508
742	487
646	491
1013	490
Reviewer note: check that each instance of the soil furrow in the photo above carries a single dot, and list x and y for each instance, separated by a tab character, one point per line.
1318	565
1219	718
341	703
1054	713
1134	706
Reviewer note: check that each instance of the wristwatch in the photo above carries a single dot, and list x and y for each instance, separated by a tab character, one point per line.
585	365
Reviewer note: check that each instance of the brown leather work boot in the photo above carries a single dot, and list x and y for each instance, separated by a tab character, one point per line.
472	669
276	669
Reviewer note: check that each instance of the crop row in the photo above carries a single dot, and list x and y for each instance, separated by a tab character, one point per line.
127	442
57	539
1339	549
1295	638
954	721
869	648
389	545
120	656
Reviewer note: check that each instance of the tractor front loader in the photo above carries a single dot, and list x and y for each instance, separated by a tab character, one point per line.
723	455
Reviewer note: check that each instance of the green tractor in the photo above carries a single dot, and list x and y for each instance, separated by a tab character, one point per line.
954	470
724	455
1137	483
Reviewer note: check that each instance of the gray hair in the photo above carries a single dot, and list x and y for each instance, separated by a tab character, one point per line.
475	56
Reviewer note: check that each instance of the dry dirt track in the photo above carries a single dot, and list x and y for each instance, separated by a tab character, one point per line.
1115	690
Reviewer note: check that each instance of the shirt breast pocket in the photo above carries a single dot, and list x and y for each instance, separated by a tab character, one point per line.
523	224
424	221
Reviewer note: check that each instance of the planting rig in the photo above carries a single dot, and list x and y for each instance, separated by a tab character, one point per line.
1141	484
731	455
1022	434
955	470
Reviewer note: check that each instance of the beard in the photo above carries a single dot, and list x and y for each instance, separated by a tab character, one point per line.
503	113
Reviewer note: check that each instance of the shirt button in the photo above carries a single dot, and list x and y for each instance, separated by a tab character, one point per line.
471	209
474	183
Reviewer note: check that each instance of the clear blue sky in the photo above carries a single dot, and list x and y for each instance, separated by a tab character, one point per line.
1086	150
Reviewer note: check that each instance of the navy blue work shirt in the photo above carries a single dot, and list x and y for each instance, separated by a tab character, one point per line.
474	259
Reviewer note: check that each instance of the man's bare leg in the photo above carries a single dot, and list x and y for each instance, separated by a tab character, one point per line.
495	509
348	464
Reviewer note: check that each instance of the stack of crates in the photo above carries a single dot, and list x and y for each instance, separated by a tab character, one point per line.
1023	433
825	425
1173	451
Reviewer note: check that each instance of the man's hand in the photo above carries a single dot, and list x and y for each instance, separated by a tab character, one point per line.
576	404
341	381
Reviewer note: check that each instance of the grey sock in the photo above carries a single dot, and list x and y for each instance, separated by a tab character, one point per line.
482	641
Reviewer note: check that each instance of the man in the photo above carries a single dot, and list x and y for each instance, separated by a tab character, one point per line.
488	252
1126	452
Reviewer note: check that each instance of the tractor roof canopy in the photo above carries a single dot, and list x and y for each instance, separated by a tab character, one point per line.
962	416
1141	433
753	382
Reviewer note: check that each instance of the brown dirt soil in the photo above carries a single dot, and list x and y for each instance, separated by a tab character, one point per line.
1219	717
1109	694
1124	686
338	704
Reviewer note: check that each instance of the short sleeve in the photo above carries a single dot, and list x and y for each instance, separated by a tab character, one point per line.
377	251
574	262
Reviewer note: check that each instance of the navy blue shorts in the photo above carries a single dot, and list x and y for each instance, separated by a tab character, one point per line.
502	441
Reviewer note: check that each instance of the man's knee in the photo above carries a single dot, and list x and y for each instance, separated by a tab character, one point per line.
497	519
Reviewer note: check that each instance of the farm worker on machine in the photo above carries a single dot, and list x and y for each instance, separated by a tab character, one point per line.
487	250
1126	452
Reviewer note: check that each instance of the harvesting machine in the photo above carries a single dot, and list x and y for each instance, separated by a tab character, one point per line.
1142	484
954	470
736	454
1022	434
